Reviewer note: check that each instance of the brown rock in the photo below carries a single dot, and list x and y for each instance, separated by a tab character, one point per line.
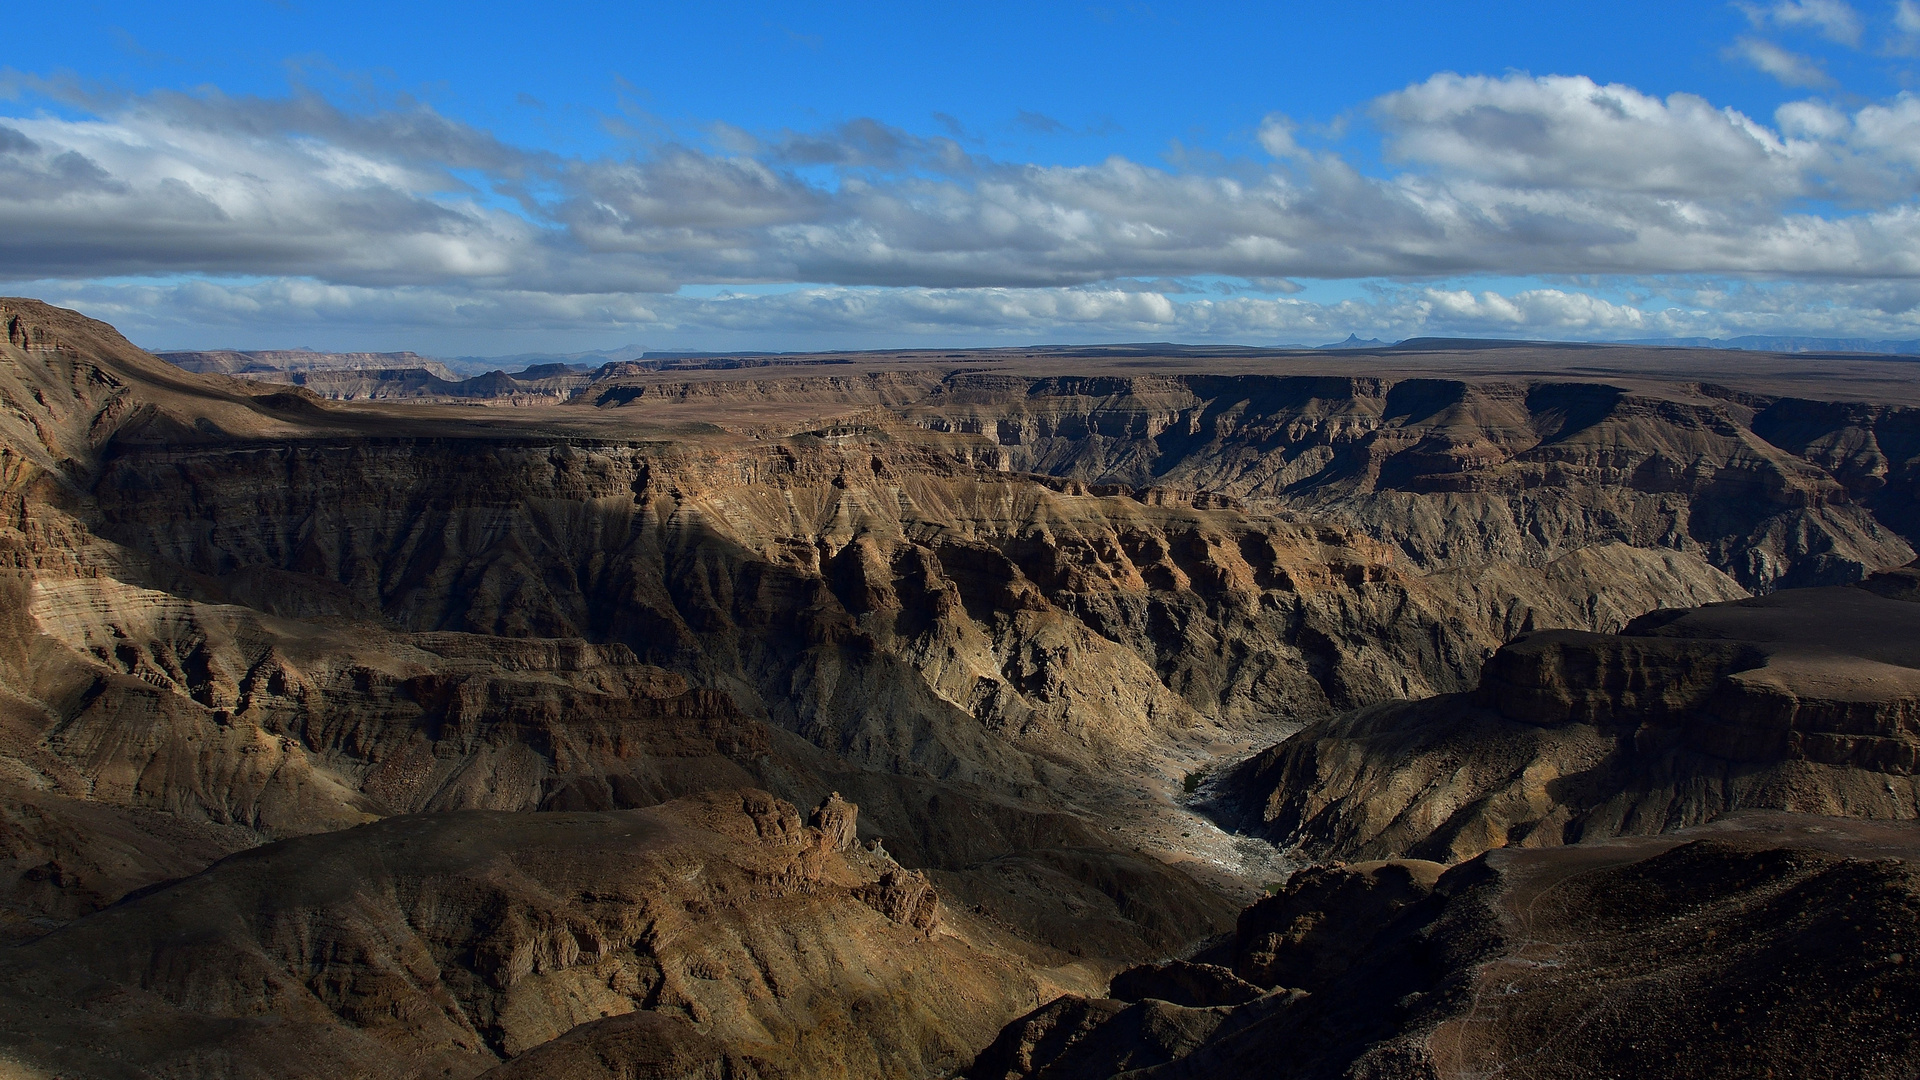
906	897
641	1046
1074	1038
1324	918
1804	700
836	818
1764	941
448	942
1180	982
983	602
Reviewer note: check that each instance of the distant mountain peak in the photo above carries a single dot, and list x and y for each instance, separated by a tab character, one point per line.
1355	341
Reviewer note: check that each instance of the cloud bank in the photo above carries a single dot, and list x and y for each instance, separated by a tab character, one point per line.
213	210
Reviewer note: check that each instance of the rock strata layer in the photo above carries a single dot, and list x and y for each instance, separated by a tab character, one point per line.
1805	700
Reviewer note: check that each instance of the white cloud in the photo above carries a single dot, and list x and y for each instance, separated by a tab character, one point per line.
1276	136
204	313
1570	132
1891	130
1535	310
408	217
1906	17
1518	175
1833	19
1790	68
145	192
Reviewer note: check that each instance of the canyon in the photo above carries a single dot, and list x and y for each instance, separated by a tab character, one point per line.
1042	712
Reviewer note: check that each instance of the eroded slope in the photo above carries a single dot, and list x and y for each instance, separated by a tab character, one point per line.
439	945
1805	700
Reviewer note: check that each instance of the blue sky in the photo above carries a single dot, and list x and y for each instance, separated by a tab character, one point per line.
478	178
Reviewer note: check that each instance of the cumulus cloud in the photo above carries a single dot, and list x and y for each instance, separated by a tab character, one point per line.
177	183
1517	175
1572	133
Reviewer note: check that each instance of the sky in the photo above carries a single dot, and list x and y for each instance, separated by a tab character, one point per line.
483	179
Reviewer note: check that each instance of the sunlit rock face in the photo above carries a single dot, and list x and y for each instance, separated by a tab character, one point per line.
1017	617
1805	700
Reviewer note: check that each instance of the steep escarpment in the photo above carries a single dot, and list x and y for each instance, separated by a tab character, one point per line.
269	363
900	600
1457	472
893	600
1805	700
439	945
1774	490
425	384
1764	943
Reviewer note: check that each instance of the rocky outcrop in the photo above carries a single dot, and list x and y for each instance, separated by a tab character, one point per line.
1804	700
62	857
1762	942
838	821
1453	472
426	385
178	731
906	897
638	1046
219	712
442	944
185	724
1323	919
889	594
1077	1038
888	602
230	728
1183	983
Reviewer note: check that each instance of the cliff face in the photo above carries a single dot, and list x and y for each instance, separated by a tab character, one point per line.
1776	491
309	614
1804	700
214	727
277	364
1458	472
819	579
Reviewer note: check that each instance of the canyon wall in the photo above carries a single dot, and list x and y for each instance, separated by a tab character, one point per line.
1007	614
1805	700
